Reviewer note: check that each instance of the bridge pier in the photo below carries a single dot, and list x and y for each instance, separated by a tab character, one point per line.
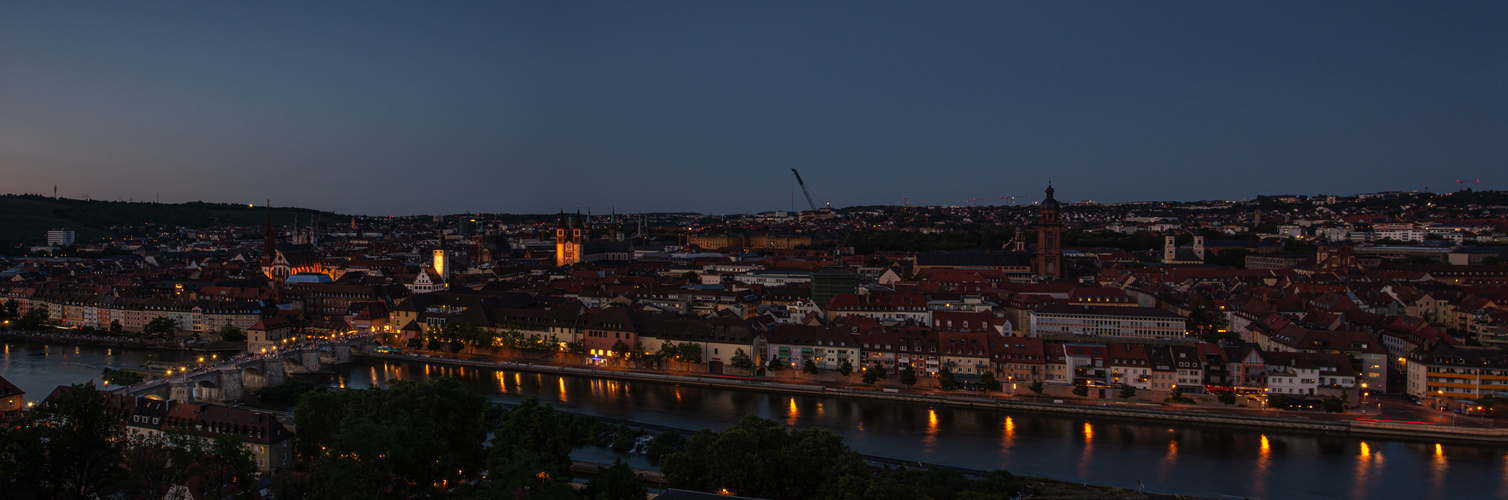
231	386
180	391
311	359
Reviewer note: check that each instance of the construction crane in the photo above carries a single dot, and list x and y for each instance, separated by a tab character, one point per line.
804	190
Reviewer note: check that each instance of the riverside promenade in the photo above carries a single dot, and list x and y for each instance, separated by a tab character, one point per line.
1321	423
65	337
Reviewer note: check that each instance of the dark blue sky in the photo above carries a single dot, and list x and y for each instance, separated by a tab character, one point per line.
425	107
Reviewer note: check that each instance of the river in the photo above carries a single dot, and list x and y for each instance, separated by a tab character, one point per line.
1213	462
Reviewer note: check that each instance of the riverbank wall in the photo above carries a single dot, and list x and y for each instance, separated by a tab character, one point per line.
1141	413
89	340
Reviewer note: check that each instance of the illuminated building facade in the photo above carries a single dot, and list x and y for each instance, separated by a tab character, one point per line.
568	238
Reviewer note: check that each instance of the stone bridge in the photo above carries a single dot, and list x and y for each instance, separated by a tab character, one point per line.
232	381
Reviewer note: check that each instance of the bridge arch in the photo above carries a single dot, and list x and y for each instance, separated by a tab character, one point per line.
207	390
292	364
252	378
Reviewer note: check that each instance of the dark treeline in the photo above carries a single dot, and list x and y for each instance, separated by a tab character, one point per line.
75	446
867	242
431	440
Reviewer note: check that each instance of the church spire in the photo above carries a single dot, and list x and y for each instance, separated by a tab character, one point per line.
269	242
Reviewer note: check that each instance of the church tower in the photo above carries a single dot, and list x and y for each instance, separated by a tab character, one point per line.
1049	261
568	238
270	258
442	260
269	244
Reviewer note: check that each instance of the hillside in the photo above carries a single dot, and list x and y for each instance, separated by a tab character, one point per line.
27	218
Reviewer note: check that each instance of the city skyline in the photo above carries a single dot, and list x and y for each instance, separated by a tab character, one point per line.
677	107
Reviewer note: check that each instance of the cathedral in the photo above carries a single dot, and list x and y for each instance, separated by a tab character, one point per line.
574	243
568	239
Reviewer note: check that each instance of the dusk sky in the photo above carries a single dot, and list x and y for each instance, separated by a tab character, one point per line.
442	107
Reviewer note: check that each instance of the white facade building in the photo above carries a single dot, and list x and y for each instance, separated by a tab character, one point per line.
60	237
1107	321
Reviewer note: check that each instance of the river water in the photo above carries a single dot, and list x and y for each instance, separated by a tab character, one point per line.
1213	462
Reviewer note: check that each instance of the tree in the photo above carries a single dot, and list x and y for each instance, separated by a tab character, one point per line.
116	328
1080	388
34	319
741	361
1333	404
68	447
157	461
872	375
618	482
161	326
845	368
120	377
472	336
1177	393
508	338
1127	392
411	435
945	378
230	465
908	377
528	449
809	367
760	458
230	333
10	311
988	379
1226	398
1036	387
367	459
776	364
619	349
689	352
1209	326
637	354
415	343
1279	401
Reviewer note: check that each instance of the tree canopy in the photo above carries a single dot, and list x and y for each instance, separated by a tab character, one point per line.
412	436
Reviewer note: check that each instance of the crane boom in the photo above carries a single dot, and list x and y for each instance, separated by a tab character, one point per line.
804	190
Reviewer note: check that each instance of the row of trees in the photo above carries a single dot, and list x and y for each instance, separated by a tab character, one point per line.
458	337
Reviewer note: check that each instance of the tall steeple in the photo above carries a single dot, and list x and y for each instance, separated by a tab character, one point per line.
442	260
269	243
1049	260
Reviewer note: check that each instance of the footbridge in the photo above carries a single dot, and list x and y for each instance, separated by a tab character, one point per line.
233	379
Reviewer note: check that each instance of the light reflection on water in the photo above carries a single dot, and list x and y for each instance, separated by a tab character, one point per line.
1190	460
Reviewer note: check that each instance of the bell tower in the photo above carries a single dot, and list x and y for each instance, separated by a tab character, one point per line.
1049	260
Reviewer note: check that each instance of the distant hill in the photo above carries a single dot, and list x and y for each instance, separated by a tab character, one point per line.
27	218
